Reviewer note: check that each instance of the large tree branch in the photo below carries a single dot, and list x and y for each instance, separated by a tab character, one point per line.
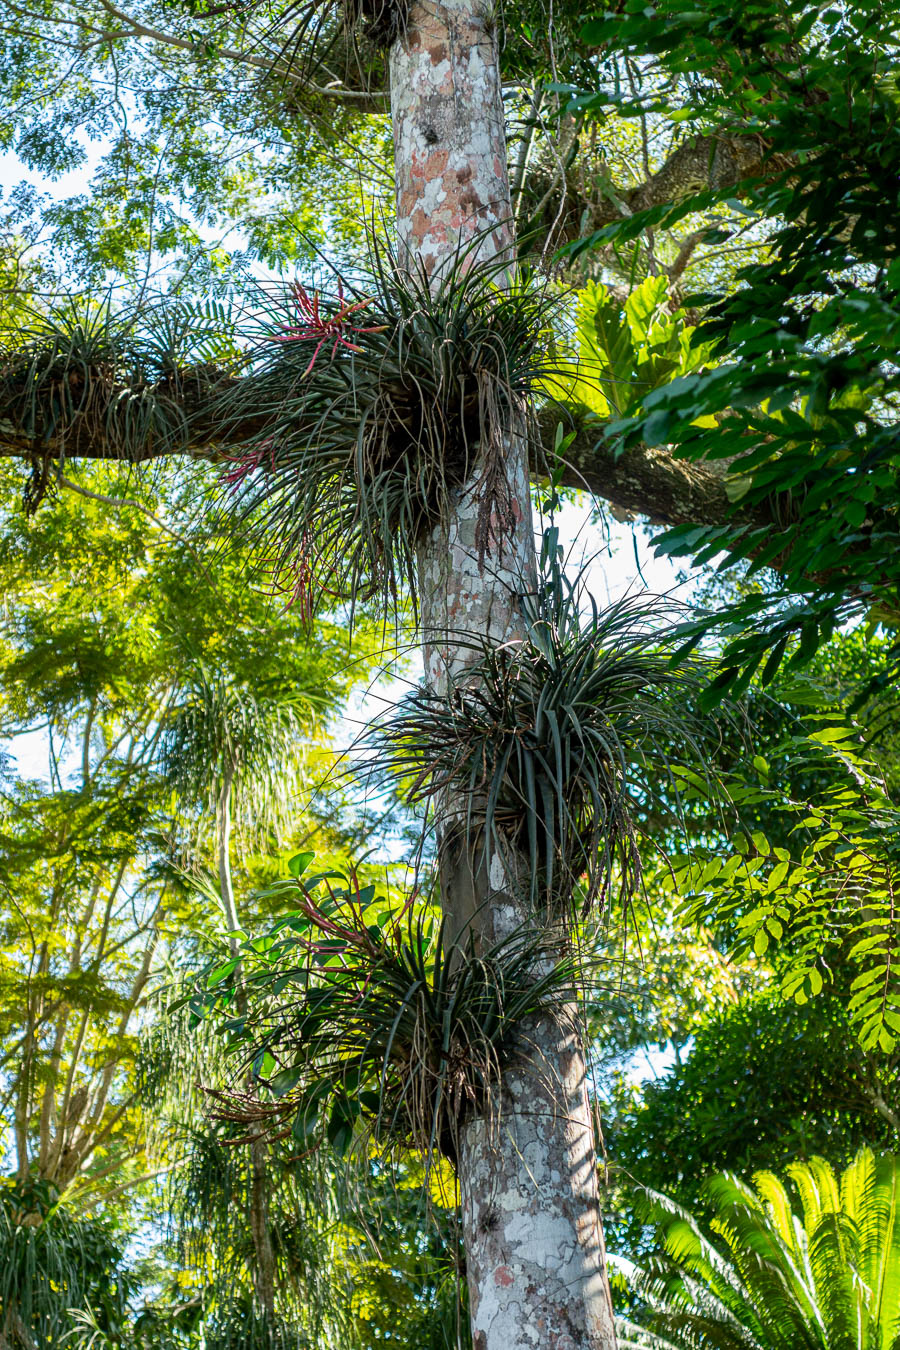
570	202
645	481
127	26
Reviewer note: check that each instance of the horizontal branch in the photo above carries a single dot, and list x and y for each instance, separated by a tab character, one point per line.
363	99
571	203
644	481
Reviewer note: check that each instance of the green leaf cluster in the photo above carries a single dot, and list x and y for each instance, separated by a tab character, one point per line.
799	401
625	351
824	1274
54	1264
364	1024
826	902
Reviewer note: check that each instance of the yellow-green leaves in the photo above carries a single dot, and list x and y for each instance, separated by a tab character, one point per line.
822	1274
624	350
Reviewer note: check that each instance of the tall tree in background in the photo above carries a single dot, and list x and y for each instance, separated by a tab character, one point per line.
239	750
105	623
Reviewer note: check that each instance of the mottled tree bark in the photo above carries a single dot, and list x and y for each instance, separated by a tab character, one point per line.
531	1219
527	1166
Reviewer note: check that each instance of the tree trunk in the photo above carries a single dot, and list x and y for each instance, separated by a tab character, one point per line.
258	1204
528	1174
260	1227
223	858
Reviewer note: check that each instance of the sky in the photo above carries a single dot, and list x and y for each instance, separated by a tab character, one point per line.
616	559
13	172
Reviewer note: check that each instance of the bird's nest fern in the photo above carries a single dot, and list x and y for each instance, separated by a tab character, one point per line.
376	403
366	1025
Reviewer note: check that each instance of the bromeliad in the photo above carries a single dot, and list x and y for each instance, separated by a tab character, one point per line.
314	326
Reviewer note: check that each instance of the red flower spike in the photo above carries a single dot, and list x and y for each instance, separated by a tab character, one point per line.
246	463
313	326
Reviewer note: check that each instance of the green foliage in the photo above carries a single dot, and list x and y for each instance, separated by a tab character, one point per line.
545	744
363	1023
242	1326
106	619
828	902
353	1264
672	981
625	351
52	1262
81	373
825	1276
372	406
408	1280
793	377
227	1192
802	399
218	134
221	735
763	1081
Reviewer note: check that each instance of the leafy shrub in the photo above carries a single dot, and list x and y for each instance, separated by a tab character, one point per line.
52	1263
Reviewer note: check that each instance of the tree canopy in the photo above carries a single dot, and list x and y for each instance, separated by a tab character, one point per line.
225	434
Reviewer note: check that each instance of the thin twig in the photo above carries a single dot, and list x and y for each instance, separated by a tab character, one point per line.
138	506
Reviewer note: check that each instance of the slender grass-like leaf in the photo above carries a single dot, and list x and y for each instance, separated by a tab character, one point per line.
396	1033
547	748
377	401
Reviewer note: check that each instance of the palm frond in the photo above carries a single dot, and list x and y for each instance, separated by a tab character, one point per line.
52	1262
220	730
239	1324
822	1279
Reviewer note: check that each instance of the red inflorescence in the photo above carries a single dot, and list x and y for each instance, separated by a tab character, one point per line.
311	325
314	326
243	464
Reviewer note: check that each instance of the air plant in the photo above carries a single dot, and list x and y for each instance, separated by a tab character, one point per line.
374	404
84	374
548	749
367	1025
76	373
319	40
312	324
